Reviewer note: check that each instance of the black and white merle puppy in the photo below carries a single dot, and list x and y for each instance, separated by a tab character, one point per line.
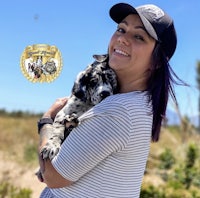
92	85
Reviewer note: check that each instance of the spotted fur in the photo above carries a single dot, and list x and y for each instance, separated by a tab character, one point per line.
92	85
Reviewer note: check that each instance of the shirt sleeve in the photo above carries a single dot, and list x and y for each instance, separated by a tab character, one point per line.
97	136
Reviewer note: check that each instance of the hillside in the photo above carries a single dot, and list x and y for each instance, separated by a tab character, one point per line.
19	159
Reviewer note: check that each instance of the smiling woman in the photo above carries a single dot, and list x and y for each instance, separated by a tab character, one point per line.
113	138
130	52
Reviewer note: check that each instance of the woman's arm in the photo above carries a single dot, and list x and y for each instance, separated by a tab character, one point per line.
50	176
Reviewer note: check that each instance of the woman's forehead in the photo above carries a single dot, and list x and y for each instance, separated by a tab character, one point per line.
132	19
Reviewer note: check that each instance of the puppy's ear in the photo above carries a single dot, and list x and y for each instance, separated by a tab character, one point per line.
100	58
80	87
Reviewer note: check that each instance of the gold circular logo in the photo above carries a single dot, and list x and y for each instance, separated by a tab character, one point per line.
41	63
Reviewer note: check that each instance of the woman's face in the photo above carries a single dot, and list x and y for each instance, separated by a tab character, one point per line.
130	49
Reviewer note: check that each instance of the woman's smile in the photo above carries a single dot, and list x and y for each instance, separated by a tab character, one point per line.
121	52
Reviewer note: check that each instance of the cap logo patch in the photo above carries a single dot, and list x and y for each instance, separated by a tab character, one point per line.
156	12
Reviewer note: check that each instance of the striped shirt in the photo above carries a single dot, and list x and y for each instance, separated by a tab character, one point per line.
106	154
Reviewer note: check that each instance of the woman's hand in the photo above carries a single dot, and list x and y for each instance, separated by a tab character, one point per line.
55	108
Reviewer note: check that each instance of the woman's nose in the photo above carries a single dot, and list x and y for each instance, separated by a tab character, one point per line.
123	39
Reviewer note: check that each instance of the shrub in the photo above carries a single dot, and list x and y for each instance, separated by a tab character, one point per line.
189	169
9	191
152	192
167	159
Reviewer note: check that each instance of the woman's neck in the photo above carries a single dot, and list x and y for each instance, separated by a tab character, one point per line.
126	85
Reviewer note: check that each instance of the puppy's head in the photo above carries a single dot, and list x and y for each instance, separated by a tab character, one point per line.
102	84
95	83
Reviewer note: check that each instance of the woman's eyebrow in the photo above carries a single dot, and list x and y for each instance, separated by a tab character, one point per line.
140	27
123	21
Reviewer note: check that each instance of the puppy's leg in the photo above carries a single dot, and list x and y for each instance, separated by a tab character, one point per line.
65	121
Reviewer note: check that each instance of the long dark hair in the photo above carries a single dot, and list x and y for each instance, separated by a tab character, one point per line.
160	87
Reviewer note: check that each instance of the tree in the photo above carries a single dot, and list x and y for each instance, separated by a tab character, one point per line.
198	87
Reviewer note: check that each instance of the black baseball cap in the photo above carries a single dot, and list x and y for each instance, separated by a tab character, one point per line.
157	23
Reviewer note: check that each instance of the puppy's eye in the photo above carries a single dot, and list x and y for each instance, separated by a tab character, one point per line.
104	94
79	94
93	82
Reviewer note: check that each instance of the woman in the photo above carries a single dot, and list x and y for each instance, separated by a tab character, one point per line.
105	156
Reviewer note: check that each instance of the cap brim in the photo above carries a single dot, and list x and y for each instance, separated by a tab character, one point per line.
121	10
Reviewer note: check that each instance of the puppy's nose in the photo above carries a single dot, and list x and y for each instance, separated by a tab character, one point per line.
104	94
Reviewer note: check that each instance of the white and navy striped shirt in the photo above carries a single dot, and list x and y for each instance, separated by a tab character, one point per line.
106	154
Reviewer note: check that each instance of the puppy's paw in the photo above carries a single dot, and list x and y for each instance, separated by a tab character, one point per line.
73	118
50	149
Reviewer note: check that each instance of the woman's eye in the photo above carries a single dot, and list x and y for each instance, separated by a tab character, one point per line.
138	37
120	30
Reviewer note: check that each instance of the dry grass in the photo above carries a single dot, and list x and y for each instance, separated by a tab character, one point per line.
16	134
172	139
18	155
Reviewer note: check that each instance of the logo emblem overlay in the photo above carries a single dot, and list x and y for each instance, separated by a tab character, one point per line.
41	63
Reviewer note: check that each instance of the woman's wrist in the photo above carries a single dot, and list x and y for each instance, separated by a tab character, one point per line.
47	119
44	121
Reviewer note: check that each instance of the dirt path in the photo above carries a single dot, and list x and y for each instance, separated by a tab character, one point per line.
23	177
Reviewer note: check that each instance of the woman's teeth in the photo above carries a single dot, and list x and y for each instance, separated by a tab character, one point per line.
121	52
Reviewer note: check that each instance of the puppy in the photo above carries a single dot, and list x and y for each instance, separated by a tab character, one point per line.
92	85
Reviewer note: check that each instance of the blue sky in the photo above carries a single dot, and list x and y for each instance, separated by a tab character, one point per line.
80	29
